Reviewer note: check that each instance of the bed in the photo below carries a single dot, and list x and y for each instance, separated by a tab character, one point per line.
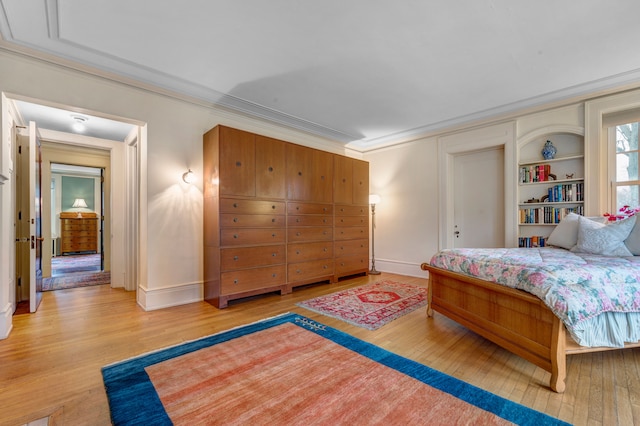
520	299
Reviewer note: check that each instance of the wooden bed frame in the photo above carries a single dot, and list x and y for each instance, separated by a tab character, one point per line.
513	319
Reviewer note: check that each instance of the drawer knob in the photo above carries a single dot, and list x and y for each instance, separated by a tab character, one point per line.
321	177
274	254
297	234
299	173
273	235
324	220
343	180
273	207
273	220
324	267
235	235
297	207
235	205
324	249
270	169
238	163
274	275
298	220
235	257
235	219
297	251
298	271
235	281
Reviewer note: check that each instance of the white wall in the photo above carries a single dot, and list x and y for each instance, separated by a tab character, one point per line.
406	178
173	258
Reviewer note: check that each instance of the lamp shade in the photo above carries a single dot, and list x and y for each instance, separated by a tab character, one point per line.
79	202
374	199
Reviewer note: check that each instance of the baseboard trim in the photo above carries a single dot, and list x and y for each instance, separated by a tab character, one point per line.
160	298
402	268
6	321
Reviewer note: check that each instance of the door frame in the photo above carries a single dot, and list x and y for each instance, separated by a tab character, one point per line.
118	162
496	136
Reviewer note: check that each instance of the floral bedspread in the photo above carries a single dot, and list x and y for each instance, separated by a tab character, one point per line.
577	287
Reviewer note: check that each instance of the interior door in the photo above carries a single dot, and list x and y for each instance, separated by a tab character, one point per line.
479	199
35	218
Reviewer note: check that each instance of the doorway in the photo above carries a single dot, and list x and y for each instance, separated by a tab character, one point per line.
479	202
77	212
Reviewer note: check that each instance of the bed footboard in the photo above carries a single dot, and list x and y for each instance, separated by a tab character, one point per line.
513	319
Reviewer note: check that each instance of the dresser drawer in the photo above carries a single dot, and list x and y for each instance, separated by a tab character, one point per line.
351	248
252	279
302	220
303	252
250	257
309	234
352	210
353	264
251	236
308	270
237	206
79	225
351	233
309	208
352	220
229	220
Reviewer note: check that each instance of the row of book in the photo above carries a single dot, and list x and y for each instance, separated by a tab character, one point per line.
535	173
536	241
569	192
548	214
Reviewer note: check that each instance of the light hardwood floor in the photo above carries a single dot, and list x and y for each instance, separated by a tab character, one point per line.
51	361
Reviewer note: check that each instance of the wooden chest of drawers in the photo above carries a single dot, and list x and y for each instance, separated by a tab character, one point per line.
78	234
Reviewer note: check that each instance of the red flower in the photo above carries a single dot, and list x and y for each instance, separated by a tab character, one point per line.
623	213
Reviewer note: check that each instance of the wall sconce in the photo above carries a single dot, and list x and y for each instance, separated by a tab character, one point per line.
373	200
189	177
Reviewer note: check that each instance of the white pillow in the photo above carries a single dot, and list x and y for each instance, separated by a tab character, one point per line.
607	240
633	240
565	234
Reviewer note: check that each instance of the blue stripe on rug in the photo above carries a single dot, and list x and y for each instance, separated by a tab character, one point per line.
134	401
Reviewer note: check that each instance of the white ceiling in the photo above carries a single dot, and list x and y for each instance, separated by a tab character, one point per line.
362	72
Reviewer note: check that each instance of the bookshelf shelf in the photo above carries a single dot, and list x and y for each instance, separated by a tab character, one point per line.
559	196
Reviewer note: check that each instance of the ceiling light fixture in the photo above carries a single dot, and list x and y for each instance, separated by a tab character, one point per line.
78	123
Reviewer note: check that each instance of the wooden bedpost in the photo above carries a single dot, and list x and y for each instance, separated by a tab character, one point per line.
423	266
558	356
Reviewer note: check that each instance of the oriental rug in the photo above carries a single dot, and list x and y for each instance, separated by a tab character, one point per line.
79	279
370	306
291	370
75	271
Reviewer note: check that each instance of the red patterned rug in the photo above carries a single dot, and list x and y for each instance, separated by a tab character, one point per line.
370	306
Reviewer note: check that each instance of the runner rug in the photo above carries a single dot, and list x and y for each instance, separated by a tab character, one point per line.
292	370
370	306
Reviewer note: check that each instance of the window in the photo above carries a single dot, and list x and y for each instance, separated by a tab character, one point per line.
626	184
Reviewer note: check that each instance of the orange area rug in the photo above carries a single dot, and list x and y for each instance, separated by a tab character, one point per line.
291	370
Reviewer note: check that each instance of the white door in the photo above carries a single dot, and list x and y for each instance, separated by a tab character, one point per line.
478	186
35	218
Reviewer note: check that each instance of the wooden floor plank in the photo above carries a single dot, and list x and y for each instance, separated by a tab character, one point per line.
51	361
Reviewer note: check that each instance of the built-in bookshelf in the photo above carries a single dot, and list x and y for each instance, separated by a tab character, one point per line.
549	189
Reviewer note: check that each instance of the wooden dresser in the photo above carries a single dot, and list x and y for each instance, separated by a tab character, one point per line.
279	215
79	234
